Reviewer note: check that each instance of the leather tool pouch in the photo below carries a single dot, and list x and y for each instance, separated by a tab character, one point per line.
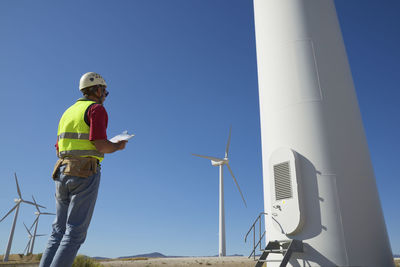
76	166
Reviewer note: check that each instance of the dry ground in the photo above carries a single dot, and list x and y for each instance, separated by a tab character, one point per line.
200	261
32	261
19	260
15	260
183	262
195	261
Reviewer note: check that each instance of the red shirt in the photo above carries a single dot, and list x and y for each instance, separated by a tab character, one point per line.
98	121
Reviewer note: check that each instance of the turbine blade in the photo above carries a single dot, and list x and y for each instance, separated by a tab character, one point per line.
29	232
40	235
27	246
36	205
18	190
35	221
47	213
28	202
228	143
207	157
240	191
9	212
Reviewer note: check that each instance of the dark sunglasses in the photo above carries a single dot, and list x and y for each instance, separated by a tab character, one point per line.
104	90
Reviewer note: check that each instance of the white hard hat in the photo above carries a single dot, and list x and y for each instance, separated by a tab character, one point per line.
91	78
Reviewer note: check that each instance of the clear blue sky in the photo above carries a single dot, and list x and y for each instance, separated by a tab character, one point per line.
180	72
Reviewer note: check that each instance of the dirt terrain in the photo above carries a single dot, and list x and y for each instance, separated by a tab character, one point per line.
181	262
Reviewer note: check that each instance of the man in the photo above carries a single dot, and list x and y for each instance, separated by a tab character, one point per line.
81	145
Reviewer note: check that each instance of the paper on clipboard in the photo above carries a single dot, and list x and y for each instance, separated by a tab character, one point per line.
121	137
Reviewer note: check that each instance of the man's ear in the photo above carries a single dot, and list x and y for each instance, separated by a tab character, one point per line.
98	91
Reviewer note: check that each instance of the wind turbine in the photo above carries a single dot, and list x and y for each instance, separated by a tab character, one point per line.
35	223
18	201
31	238
220	163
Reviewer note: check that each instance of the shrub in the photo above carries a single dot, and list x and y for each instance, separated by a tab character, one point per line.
84	261
39	256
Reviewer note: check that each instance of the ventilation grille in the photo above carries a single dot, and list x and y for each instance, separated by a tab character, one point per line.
283	184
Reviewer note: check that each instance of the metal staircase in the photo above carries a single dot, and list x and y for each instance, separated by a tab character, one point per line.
284	247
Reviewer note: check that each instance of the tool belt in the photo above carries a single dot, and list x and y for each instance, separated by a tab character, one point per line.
76	166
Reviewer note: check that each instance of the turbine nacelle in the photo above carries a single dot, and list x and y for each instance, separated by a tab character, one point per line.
219	162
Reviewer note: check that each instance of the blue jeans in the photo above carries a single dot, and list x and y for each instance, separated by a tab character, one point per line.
75	201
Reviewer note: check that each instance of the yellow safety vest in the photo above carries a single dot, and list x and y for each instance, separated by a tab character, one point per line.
73	133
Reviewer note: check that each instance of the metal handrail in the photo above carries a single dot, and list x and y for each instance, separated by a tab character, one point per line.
261	236
258	243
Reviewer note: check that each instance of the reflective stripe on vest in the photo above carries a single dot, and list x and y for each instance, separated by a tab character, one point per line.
73	133
74	136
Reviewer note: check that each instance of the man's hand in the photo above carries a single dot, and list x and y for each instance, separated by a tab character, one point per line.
105	146
122	144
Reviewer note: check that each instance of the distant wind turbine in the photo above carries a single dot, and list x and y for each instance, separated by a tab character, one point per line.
18	201
31	238
35	223
221	162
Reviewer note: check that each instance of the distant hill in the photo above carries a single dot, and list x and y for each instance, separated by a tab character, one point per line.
148	255
396	255
233	255
100	258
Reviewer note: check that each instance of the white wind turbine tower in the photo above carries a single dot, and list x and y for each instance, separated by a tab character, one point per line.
18	201
221	162
35	223
31	238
